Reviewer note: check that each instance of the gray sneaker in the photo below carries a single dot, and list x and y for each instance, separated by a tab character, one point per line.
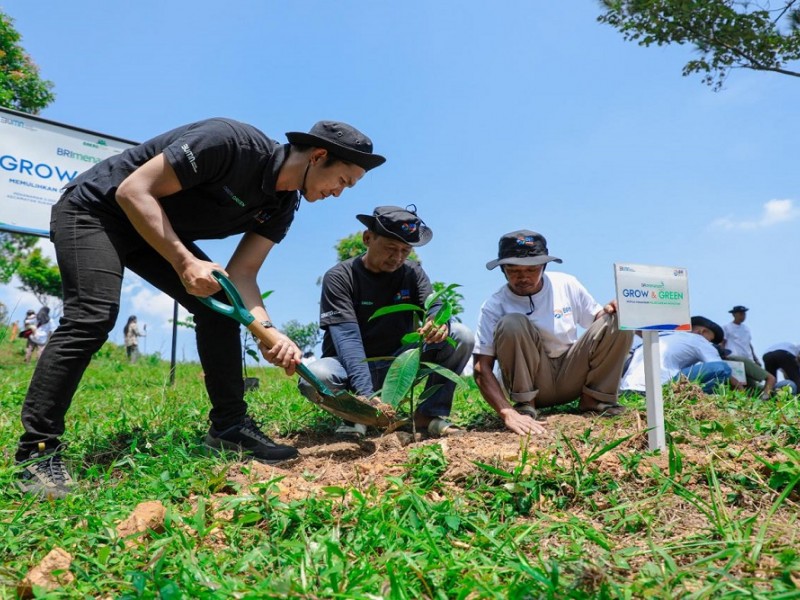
45	474
346	429
248	438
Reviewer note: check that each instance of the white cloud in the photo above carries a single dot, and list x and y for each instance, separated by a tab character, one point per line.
774	212
148	303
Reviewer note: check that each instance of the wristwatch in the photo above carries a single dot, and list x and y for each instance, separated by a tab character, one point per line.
265	325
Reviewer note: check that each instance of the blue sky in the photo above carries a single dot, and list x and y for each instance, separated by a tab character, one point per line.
493	117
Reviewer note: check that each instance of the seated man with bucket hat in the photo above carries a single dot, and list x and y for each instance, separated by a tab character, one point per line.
530	326
143	209
351	293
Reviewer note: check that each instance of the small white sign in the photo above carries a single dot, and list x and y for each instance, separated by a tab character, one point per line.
652	297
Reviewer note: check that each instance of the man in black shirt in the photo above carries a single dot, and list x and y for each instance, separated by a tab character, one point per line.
351	293
143	209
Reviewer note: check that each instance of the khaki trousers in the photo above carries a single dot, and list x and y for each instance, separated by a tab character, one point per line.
591	366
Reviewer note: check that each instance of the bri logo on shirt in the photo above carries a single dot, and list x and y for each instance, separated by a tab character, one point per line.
558	313
402	295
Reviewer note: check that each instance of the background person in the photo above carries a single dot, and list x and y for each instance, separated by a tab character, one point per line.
682	353
40	334
738	339
132	335
143	209
786	357
351	293
530	326
29	324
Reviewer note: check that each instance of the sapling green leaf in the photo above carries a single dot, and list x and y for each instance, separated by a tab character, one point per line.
442	292
413	337
386	310
404	372
447	374
443	314
400	377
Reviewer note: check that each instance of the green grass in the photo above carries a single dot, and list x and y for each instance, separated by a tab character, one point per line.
588	514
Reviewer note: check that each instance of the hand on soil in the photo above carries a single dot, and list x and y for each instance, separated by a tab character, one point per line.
522	424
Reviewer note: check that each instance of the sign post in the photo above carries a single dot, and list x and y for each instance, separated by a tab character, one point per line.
652	299
656	434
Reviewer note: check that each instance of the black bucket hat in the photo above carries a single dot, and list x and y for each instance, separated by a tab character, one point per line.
719	335
399	223
522	247
340	139
738	308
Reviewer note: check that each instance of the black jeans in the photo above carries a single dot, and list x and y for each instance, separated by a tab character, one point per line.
785	361
92	253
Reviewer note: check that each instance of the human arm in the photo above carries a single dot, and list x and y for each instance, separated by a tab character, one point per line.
346	339
138	196
755	358
609	309
769	386
243	268
493	394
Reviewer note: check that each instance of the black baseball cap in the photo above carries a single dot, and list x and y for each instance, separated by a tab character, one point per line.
719	335
340	139
738	308
522	247
399	223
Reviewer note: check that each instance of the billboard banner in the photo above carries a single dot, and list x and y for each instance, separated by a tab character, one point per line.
37	159
652	297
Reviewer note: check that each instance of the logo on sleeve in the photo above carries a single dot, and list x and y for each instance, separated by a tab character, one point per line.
190	156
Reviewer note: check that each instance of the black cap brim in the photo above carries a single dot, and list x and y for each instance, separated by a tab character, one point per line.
365	160
526	261
375	226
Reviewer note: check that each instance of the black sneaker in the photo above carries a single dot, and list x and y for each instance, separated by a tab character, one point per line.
45	474
247	437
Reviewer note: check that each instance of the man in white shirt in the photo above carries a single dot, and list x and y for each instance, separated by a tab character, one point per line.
682	353
737	335
530	326
784	356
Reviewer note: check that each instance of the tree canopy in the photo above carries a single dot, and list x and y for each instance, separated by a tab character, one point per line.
40	276
21	88
727	34
305	336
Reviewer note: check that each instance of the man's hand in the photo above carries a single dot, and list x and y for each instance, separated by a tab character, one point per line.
521	424
284	353
432	333
608	309
198	278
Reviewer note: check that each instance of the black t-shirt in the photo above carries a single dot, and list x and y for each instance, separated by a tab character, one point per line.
227	170
351	294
